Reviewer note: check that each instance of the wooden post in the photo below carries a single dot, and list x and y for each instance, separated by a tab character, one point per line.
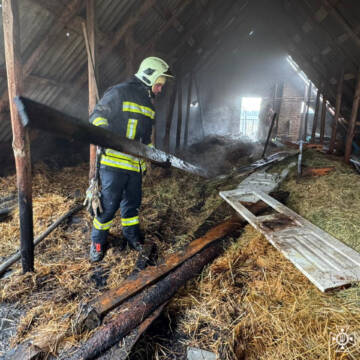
302	119
179	121
279	96
337	111
323	118
188	108
352	122
307	112
21	142
316	115
169	119
93	91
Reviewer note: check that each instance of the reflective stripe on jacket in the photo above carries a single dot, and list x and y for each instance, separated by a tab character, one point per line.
125	109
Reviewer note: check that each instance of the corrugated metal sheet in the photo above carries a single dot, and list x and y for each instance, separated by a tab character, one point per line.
65	60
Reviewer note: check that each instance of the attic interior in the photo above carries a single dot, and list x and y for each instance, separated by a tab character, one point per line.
249	213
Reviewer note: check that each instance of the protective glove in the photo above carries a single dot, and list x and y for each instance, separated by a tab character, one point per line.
92	200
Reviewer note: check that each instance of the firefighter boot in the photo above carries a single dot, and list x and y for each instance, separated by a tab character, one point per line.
97	252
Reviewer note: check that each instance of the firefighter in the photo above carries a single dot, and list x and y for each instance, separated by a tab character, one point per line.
125	109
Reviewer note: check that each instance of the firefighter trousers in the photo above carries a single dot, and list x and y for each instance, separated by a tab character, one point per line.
119	189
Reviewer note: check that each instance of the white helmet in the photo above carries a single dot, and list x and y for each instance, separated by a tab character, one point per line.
151	68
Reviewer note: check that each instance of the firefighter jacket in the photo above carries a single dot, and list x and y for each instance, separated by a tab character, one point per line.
125	109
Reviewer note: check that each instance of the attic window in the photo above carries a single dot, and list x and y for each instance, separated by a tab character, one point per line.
249	118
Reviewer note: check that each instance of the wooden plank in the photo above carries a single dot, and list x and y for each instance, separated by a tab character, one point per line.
324	260
352	123
21	142
337	111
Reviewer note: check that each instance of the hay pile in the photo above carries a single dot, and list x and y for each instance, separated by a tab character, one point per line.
332	202
252	303
220	154
172	208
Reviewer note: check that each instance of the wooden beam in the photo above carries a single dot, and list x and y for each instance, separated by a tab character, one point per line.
352	123
21	143
316	115
323	119
307	111
337	111
179	117
90	40
188	108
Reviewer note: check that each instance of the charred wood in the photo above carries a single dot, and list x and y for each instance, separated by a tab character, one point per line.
40	116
